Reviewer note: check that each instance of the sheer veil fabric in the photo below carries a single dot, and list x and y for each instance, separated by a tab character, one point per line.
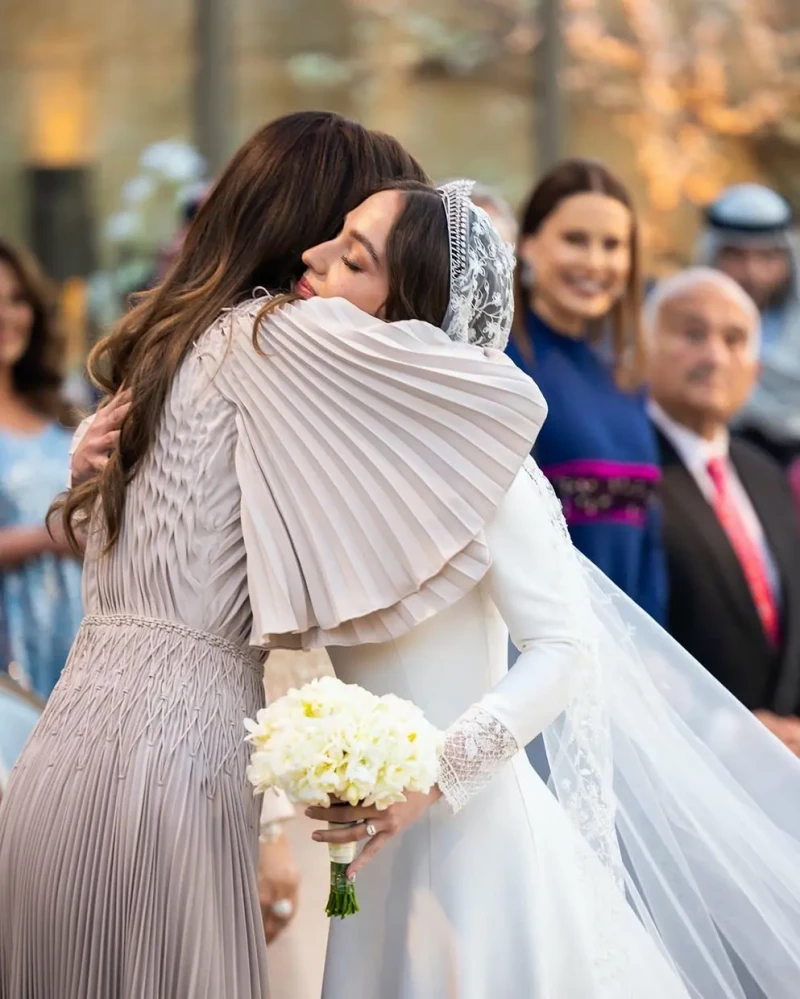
659	766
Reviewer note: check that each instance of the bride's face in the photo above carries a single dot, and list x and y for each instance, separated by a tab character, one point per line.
353	265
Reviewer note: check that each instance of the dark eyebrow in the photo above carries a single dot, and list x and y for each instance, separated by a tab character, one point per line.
737	328
367	244
691	313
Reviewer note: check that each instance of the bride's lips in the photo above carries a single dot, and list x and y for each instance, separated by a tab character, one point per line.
304	289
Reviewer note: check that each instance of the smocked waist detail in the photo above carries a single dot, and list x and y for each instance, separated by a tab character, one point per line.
250	656
142	692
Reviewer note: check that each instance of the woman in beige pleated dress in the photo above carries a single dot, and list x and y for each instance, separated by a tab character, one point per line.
233	517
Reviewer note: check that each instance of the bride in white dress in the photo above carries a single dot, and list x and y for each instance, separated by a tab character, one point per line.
503	898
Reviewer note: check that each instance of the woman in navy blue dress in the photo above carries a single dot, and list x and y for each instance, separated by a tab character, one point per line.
577	334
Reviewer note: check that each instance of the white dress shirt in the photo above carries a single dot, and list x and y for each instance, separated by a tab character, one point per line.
695	452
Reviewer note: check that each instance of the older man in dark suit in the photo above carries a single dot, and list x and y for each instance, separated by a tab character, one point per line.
732	534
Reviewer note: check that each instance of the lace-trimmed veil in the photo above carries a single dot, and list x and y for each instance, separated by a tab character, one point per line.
690	804
481	272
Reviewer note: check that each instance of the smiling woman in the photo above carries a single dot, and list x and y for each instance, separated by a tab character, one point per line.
577	332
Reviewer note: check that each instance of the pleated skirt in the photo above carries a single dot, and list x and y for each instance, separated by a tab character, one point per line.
128	836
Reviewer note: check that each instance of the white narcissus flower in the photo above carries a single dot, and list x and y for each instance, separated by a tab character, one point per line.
331	740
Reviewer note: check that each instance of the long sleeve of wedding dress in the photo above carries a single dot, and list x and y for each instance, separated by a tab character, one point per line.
534	590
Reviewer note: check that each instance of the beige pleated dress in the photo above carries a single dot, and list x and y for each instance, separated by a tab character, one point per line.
332	490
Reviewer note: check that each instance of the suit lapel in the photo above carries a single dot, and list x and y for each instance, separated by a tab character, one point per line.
694	510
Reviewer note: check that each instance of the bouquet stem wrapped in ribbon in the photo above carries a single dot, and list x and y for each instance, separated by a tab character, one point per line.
332	742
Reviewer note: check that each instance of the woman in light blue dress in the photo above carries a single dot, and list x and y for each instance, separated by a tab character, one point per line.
39	579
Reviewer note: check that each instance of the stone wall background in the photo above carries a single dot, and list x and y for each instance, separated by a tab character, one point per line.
94	82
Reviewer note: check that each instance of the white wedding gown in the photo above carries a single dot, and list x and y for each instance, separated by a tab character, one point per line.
503	899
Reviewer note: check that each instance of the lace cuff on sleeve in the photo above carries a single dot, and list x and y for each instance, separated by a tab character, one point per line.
476	746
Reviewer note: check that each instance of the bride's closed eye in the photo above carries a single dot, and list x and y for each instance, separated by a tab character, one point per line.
351	266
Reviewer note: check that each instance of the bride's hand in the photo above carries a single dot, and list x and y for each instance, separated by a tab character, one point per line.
388	823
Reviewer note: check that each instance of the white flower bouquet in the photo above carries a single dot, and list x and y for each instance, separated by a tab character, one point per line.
332	742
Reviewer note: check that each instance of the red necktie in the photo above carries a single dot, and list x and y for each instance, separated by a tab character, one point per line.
750	556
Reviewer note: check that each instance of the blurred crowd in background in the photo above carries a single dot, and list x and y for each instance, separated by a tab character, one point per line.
657	285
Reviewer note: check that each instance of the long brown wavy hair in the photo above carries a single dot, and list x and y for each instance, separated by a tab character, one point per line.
288	188
565	179
38	375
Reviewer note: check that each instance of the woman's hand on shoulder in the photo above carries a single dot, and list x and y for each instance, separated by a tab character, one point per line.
100	439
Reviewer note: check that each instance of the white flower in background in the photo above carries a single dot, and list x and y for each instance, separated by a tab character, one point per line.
150	212
316	69
121	226
138	189
193	191
174	159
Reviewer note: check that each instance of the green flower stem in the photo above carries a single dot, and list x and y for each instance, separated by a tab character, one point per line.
342	900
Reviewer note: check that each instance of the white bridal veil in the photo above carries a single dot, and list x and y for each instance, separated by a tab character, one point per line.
692	805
